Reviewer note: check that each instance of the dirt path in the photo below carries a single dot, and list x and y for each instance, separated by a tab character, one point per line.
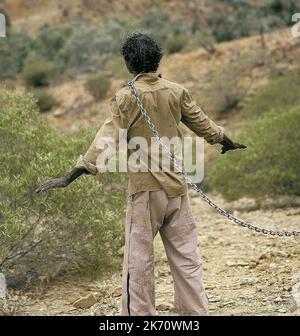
245	273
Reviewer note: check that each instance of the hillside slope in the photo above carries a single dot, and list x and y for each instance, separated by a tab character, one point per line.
194	70
26	15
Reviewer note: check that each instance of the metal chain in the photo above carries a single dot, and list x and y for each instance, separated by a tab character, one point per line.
194	186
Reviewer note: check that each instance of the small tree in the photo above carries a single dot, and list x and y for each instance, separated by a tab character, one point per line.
175	44
39	73
98	86
44	100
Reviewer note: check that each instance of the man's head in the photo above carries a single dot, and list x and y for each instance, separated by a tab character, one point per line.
141	53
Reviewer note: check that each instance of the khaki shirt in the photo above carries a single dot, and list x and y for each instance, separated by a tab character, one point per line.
167	103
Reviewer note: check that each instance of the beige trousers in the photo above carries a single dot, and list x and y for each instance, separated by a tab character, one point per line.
149	212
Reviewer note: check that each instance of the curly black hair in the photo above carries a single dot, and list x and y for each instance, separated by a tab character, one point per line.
141	52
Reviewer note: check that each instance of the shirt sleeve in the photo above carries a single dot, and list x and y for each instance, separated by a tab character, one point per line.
108	131
197	121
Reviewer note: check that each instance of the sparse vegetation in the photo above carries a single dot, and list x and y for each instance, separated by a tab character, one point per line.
176	44
13	51
44	100
280	93
162	25
205	41
98	86
243	18
227	88
13	304
81	47
39	73
89	48
50	43
117	67
270	166
74	229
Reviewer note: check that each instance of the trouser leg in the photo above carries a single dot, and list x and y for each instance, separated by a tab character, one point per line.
179	235
142	223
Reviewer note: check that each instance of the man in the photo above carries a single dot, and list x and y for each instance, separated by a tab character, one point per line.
158	201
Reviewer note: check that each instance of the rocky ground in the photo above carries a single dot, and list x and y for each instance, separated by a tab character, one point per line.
245	273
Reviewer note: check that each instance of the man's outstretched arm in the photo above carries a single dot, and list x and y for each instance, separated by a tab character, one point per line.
197	121
62	182
86	164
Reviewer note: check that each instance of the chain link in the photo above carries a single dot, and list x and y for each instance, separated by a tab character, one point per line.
223	212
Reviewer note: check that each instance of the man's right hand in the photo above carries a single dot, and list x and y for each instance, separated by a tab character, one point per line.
61	182
228	144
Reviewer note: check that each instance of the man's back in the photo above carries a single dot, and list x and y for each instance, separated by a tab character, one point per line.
160	98
167	103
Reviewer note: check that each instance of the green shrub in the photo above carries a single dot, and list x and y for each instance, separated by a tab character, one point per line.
44	100
242	18
117	67
65	12
283	9
39	73
271	163
50	42
280	93
75	229
13	51
175	44
202	39
98	86
227	87
90	47
162	26
86	50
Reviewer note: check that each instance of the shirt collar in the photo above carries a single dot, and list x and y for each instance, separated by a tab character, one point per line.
147	76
